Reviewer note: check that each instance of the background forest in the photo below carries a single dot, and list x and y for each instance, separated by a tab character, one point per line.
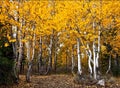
40	37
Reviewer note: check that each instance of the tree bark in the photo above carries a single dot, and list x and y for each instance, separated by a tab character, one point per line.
94	61
109	67
79	57
50	55
55	56
94	55
40	56
28	57
73	63
20	48
98	50
14	44
31	61
90	60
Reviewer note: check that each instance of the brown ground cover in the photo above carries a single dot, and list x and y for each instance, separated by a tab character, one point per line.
56	81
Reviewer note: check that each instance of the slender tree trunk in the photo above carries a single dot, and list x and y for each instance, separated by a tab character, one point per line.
51	3
109	67
20	48
98	49
40	56
66	59
90	60
117	58
79	57
94	59
15	45
31	61
55	56
50	55
55	62
28	57
73	63
94	55
22	60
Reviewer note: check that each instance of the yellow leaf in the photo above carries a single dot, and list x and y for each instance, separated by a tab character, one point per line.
12	40
6	45
24	40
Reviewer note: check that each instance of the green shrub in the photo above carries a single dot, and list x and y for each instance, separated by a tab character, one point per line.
6	66
6	71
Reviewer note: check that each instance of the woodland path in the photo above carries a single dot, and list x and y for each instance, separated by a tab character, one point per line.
49	81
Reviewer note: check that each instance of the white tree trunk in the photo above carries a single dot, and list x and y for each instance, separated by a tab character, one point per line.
90	60
28	57
28	49
15	45
50	54
73	63
109	67
33	46
98	52
20	48
49	68
31	61
94	55
94	61
79	59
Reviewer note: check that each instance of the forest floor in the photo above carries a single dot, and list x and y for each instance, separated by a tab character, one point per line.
54	81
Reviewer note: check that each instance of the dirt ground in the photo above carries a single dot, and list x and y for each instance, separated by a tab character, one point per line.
50	81
53	81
